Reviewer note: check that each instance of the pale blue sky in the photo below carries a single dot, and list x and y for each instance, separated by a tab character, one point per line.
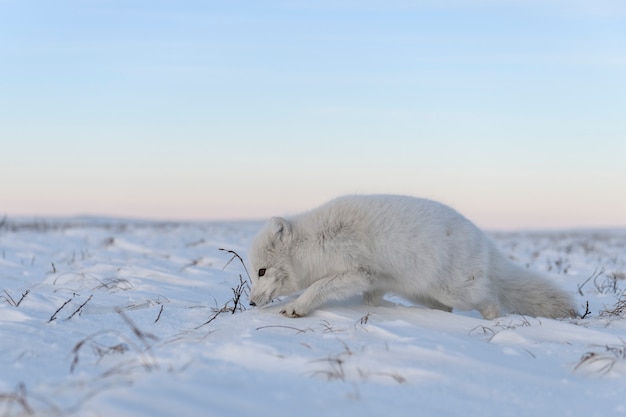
514	112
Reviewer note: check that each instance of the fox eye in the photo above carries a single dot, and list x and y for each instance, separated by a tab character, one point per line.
261	272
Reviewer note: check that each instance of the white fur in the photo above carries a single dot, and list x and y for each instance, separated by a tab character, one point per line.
373	245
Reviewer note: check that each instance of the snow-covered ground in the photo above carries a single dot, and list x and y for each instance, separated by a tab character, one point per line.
128	318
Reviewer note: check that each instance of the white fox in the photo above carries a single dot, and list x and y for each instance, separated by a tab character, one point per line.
419	249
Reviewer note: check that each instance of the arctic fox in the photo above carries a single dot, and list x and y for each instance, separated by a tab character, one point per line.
419	249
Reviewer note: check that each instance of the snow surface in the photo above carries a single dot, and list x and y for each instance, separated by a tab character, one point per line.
134	318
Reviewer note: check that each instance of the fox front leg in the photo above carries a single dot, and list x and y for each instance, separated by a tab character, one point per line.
293	311
333	287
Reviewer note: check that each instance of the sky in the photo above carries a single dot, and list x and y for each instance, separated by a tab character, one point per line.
512	112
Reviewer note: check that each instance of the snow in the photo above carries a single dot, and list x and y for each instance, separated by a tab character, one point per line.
104	317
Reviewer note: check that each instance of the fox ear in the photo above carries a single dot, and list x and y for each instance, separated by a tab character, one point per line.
281	228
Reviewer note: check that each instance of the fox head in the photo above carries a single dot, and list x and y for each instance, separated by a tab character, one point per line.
272	273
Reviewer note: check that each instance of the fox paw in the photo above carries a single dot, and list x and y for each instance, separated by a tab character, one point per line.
293	311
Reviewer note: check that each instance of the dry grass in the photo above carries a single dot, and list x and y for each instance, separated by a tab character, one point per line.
141	344
501	325
602	282
338	368
9	299
604	361
53	317
618	310
22	403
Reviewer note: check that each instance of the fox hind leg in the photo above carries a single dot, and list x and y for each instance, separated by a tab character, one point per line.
431	303
373	297
489	310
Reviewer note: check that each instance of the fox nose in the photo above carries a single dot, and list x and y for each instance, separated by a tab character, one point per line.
252	303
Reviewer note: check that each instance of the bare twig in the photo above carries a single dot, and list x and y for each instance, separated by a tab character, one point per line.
80	307
364	320
596	273
235	256
328	328
618	310
119	348
587	311
196	243
603	362
114	284
286	327
193	263
79	345
22	299
486	331
160	311
237	292
19	397
608	285
226	308
141	335
336	371
54	316
216	313
9	299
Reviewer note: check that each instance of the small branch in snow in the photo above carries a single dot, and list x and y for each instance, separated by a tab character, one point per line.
160	311
217	313
9	299
237	292
618	310
193	263
54	316
286	327
593	277
141	335
22	299
80	307
587	311
149	361
18	397
604	361
235	256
